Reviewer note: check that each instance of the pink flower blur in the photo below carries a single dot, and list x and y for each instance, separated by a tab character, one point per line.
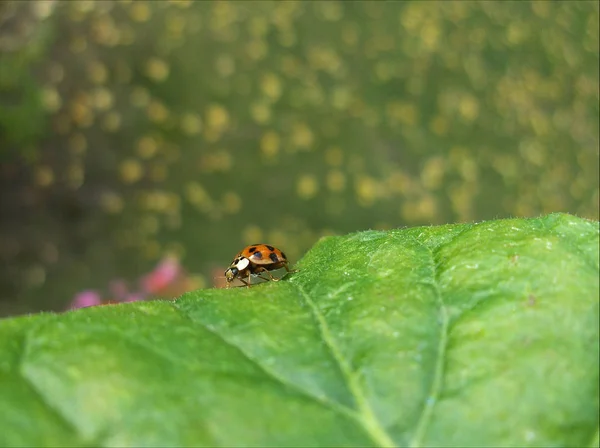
163	274
85	299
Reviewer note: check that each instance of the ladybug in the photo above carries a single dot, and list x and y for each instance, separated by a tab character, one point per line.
253	260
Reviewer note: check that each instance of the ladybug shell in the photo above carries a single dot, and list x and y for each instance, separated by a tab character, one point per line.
263	255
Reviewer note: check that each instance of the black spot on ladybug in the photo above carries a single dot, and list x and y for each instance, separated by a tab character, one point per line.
251	249
257	255
283	255
271	248
273	256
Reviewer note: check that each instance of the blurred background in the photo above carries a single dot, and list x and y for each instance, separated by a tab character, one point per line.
143	143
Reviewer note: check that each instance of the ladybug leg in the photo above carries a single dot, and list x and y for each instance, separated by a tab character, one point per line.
244	282
288	269
261	269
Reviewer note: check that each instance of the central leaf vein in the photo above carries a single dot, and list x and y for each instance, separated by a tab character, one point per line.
269	373
438	374
367	417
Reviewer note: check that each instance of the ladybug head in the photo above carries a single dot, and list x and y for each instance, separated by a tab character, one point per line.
231	274
238	266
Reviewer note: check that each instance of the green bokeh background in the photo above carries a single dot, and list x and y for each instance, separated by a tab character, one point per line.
131	130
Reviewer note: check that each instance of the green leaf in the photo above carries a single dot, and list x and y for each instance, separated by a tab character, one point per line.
459	335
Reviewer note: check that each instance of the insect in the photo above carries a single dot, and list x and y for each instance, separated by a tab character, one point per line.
254	260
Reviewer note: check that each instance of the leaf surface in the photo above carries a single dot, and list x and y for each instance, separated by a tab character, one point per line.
460	335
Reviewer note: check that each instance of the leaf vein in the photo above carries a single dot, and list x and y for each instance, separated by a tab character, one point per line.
436	386
338	408
367	417
54	410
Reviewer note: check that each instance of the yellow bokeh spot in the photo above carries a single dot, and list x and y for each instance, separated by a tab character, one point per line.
157	112
104	31
80	111
197	195
217	118
214	161
439	125
256	49
400	112
261	112
232	203
368	190
307	186
334	156
516	33
469	107
252	235
302	136
432	174
427	208
158	173
408	211
161	201
191	124
331	11
175	25
51	100
111	121
468	169
258	26
44	176
287	39
139	97
131	171
430	35
111	202
271	86
149	225
461	198
77	143
336	181
78	44
139	11
225	65
146	147
540	123
541	9
269	144
102	99
350	34
42	10
341	98
157	69
399	183
533	151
